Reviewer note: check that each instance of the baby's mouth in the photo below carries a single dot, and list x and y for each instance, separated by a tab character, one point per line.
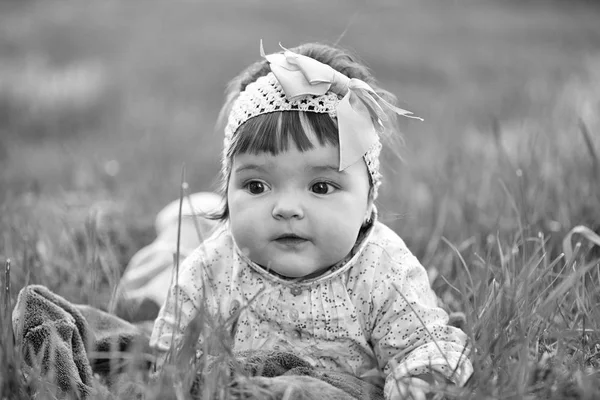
290	239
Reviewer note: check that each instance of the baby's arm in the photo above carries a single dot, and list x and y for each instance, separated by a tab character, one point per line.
180	308
407	346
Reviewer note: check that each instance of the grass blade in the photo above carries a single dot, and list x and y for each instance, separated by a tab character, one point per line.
590	146
583	231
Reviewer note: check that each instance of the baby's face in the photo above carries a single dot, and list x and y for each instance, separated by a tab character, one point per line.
294	213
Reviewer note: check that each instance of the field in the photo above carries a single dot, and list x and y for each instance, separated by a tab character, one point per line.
102	103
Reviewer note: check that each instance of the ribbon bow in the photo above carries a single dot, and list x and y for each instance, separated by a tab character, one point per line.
360	113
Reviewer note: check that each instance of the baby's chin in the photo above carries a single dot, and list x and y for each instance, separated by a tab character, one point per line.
286	272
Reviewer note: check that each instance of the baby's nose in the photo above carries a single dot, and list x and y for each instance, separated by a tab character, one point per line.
288	206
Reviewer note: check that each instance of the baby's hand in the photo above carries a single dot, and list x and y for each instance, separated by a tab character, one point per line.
409	388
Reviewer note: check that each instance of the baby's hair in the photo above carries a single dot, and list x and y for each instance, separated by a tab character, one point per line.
274	132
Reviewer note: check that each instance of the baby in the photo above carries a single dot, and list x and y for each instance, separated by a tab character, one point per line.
300	254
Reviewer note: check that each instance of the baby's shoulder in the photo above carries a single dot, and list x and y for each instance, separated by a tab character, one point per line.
386	259
385	244
214	250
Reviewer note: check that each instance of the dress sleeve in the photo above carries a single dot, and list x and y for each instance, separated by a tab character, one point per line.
407	345
180	308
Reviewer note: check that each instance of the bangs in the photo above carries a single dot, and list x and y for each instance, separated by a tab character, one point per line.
274	132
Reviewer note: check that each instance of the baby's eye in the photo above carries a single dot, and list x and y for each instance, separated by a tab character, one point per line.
322	188
255	187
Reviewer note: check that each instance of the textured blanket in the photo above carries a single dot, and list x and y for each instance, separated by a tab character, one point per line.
79	349
86	353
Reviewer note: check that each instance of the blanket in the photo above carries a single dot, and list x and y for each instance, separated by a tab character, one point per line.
78	348
86	353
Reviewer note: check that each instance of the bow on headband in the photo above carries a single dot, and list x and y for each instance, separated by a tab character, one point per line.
360	113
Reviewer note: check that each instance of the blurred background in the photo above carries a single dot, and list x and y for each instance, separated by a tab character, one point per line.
102	102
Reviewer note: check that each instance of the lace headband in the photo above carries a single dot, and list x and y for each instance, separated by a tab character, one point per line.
301	83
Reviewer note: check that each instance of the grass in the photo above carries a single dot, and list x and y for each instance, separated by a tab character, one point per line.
101	104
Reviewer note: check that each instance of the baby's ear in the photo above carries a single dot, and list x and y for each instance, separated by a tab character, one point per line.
369	209
371	201
369	212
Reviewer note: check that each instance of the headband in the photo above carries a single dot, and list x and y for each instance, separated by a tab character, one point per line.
300	83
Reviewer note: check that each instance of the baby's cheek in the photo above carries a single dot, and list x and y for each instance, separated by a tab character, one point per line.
339	234
235	200
242	210
238	222
346	216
